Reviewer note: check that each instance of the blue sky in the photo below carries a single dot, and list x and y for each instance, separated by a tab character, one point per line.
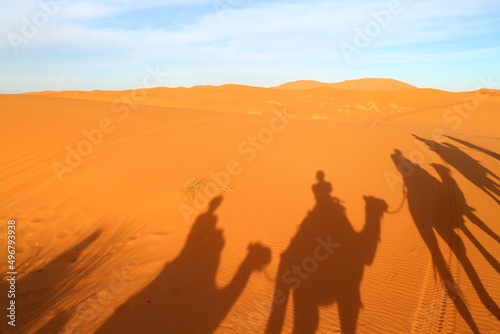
113	44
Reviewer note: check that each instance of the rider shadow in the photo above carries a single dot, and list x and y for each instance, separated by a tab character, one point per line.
324	263
184	297
470	168
432	213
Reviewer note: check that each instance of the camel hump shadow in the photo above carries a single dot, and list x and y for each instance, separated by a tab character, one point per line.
324	262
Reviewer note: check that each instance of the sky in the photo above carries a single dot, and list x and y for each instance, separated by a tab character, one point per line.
452	45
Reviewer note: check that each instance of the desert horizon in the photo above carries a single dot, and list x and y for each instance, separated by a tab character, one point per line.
360	84
236	167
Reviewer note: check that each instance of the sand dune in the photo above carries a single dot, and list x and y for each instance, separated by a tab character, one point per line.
236	209
366	84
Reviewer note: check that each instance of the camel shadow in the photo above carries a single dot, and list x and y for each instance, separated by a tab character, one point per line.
454	208
472	170
184	297
434	212
324	263
43	289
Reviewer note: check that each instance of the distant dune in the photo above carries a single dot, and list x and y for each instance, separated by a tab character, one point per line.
366	84
372	204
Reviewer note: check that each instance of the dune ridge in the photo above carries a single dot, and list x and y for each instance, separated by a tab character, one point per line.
364	84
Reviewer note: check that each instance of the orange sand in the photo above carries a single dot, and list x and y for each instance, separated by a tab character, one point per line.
110	192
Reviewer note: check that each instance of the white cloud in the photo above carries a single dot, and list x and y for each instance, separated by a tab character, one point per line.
264	25
270	35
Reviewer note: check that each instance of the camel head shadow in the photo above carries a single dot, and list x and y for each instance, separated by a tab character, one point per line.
375	207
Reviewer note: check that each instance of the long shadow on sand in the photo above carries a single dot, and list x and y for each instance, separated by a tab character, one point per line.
184	297
492	154
454	208
324	263
438	207
469	167
42	290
